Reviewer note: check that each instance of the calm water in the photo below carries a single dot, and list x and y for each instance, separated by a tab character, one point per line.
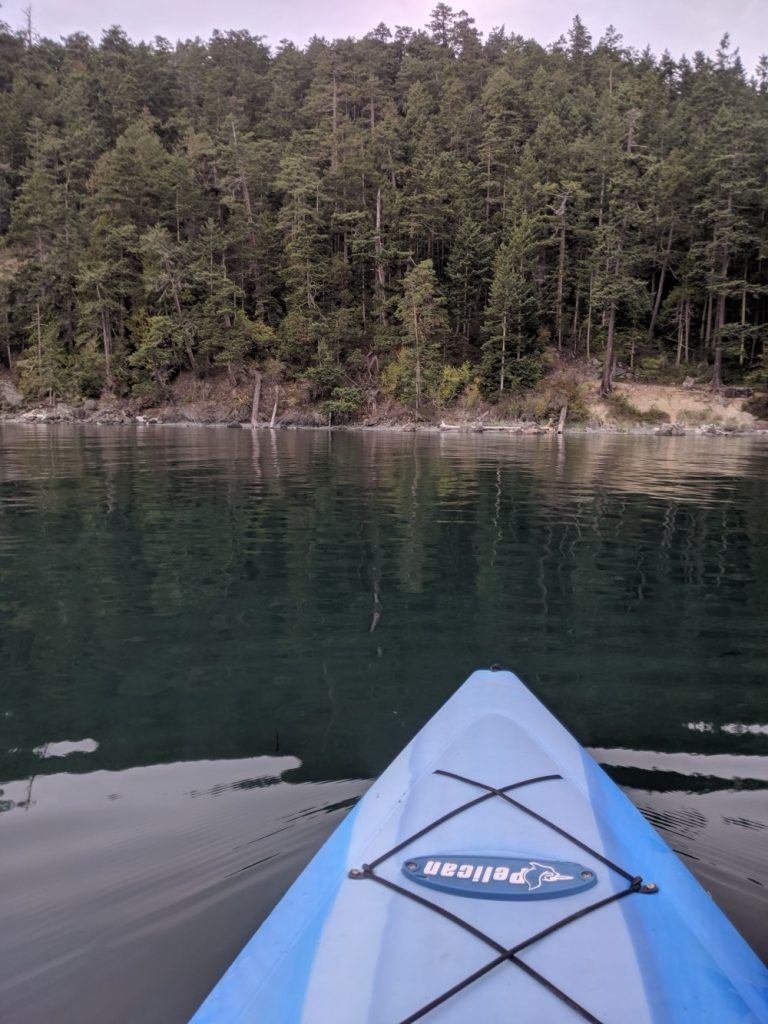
210	642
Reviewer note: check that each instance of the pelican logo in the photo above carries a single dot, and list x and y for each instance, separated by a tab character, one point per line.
537	873
499	878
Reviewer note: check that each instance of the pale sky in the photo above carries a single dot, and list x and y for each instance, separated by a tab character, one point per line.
682	26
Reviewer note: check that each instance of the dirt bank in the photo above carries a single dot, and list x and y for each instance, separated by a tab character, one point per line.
632	408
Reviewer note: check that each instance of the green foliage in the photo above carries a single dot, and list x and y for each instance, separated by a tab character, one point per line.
158	354
387	210
45	368
560	389
398	378
324	376
453	382
425	326
343	403
651	367
527	371
622	410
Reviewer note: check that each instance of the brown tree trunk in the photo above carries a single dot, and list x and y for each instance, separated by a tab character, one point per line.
106	337
660	289
256	399
334	144
707	324
686	343
606	384
503	350
561	421
560	281
418	357
381	279
575	327
717	372
488	185
39	340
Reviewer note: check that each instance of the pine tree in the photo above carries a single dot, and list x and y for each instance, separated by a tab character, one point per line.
421	311
510	316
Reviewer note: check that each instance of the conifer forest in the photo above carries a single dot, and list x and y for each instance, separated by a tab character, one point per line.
412	214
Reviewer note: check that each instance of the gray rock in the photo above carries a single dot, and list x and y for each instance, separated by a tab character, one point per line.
10	396
671	430
688	383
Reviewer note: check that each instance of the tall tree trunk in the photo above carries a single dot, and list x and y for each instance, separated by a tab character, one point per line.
717	372
334	137
575	326
503	350
708	323
488	184
256	399
560	281
106	337
39	340
418	357
606	384
686	343
660	289
381	279
743	318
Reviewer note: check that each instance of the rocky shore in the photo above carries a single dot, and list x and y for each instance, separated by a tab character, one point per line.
713	415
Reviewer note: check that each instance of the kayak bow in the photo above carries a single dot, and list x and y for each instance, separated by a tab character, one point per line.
493	873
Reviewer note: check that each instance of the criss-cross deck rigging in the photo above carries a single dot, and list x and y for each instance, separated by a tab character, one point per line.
505	954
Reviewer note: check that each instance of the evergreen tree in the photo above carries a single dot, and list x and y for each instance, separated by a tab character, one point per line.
421	311
510	321
208	205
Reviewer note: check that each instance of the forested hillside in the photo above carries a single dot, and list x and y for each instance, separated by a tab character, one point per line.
411	214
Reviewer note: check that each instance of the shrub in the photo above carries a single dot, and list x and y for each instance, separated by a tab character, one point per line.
556	392
620	408
324	376
758	406
527	371
650	367
343	404
654	415
398	378
453	381
623	410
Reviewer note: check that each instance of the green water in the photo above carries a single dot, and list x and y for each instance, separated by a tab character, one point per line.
210	640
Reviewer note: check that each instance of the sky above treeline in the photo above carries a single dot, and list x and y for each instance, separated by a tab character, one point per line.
681	26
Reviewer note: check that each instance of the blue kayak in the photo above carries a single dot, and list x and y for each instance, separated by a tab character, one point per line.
493	874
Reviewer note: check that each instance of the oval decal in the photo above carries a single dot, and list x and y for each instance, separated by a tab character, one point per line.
500	878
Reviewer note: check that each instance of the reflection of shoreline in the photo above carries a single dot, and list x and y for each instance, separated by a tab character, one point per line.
683	468
135	889
718	766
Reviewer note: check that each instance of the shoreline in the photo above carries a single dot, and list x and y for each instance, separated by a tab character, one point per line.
634	408
183	417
